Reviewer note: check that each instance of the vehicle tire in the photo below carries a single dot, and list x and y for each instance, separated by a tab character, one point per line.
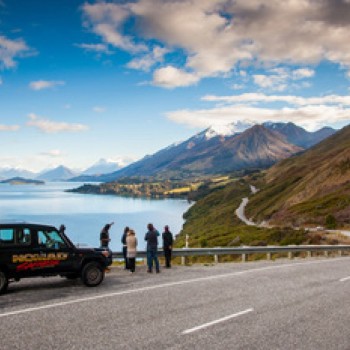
92	274
3	282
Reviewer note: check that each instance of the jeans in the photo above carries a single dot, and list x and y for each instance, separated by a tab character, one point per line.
125	249
152	255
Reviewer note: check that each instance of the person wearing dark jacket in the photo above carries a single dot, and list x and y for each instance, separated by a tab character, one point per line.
125	248
152	248
167	246
104	235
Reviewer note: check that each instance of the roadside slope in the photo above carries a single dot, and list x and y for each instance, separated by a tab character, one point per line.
309	187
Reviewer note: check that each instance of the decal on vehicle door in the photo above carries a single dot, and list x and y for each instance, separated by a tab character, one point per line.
38	261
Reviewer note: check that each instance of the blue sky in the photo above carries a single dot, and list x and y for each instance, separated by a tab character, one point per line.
80	81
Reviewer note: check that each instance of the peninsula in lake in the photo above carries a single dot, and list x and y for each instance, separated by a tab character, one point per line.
22	181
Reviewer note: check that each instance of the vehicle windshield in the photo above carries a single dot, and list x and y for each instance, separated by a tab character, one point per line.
51	239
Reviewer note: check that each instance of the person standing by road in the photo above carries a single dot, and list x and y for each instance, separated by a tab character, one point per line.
167	246
131	243
152	248
104	235
125	248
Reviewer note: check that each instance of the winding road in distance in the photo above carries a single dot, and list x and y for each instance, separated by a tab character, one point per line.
298	304
240	212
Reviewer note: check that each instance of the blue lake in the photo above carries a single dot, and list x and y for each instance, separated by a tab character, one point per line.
85	215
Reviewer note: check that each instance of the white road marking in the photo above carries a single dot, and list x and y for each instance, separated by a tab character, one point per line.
165	285
344	279
205	325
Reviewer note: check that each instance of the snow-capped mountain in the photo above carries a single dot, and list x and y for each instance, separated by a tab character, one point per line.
227	130
60	173
7	173
103	166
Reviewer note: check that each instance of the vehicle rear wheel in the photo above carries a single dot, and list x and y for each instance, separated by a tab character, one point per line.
3	282
92	274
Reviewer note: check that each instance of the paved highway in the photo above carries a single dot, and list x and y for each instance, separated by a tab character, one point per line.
299	304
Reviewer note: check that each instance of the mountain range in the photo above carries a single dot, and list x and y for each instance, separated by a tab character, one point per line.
61	173
8	173
233	147
212	152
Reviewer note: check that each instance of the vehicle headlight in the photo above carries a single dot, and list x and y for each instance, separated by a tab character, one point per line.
106	253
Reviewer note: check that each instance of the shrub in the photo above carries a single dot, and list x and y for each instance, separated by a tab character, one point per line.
331	222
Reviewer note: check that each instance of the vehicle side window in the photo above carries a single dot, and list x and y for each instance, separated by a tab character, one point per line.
23	236
50	239
7	236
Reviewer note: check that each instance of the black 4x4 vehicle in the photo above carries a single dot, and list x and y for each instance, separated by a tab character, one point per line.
30	250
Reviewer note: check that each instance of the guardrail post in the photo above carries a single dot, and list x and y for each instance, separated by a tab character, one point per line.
244	257
290	255
326	253
216	259
268	256
340	253
183	258
309	255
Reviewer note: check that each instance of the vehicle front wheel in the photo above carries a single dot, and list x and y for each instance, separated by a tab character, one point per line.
3	282
92	274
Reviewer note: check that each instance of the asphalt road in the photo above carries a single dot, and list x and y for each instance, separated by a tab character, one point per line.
299	304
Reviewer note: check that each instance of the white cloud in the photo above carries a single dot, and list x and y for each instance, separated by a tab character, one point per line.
310	117
217	36
237	86
311	113
100	48
123	161
148	60
99	109
9	127
303	73
55	153
44	84
106	20
273	82
48	126
293	100
280	78
10	50
170	77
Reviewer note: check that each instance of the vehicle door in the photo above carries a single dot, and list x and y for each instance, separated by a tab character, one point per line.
16	249
54	253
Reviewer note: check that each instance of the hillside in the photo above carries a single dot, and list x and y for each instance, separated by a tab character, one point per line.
310	188
211	222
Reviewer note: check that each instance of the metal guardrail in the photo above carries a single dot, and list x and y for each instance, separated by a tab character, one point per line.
246	250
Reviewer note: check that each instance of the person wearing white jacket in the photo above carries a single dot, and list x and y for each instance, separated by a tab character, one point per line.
131	243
